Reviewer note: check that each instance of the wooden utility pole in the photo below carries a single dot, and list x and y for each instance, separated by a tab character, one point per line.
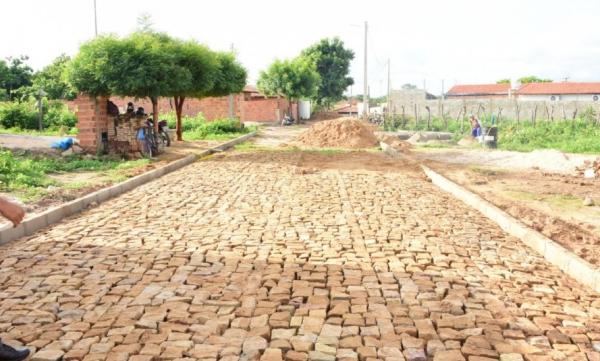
389	91
366	89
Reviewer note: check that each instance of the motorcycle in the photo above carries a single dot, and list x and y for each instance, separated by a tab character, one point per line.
287	120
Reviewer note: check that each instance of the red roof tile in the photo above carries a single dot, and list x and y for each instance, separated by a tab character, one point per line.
560	88
479	89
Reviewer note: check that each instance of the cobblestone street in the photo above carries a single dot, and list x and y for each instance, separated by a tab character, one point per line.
266	255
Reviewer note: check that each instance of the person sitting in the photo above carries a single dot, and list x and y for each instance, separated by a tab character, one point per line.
130	108
475	126
15	214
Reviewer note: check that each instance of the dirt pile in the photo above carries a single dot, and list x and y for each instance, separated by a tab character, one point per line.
339	133
396	144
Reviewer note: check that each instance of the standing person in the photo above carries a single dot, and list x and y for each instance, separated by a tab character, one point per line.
475	126
15	214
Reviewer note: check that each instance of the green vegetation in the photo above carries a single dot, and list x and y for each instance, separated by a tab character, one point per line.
27	175
148	64
198	128
579	136
24	116
332	62
292	79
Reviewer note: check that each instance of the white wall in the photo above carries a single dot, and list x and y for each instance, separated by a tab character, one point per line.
563	97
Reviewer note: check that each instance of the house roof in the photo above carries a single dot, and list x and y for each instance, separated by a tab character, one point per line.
560	88
250	89
479	89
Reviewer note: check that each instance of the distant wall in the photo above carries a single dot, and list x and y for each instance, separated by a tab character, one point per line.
503	108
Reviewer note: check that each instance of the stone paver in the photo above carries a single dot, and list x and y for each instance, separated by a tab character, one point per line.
244	257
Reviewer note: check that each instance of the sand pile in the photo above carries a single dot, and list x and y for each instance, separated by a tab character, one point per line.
339	133
396	143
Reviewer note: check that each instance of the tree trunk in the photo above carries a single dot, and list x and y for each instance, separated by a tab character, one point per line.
178	111
154	101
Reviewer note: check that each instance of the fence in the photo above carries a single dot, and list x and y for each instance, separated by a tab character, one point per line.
498	109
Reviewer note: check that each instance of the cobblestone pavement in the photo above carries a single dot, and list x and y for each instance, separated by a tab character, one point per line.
250	256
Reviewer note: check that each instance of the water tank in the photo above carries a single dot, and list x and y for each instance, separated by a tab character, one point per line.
304	109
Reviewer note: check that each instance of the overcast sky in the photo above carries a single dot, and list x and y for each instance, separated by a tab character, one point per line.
460	41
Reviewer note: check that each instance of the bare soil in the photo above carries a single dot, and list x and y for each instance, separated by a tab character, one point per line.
550	203
339	133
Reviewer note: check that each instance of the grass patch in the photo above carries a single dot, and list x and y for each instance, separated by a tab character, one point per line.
28	175
198	128
572	136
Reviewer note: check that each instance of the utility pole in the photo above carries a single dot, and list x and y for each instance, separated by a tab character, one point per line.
95	20
389	91
231	95
366	89
442	89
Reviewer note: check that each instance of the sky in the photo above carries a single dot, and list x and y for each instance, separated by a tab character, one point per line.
426	42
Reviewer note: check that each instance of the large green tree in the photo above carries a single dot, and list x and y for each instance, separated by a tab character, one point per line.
332	62
52	79
292	79
142	65
202	65
14	74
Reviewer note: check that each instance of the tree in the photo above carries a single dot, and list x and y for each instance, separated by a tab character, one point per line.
203	66
230	77
503	81
332	62
14	74
291	79
140	65
408	86
52	79
533	79
144	23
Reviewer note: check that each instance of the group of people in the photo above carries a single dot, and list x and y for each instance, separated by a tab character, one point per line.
14	213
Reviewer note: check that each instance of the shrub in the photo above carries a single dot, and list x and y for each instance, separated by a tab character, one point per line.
24	115
18	115
188	123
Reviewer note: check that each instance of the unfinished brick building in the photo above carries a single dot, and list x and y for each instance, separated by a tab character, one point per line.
97	129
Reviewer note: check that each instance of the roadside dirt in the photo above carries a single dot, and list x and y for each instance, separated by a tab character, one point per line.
550	203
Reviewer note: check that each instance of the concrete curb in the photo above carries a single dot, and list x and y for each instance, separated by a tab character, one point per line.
565	260
56	214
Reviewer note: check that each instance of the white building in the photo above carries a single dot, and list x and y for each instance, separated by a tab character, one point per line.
565	91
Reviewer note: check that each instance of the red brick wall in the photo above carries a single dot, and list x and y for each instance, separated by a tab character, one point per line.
246	108
92	120
265	109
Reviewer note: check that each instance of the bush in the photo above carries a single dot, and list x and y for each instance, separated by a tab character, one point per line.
18	115
24	115
188	123
20	173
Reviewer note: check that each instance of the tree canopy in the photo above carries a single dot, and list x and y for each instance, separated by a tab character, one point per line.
14	74
292	79
230	76
503	81
332	62
147	64
52	79
409	86
533	79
